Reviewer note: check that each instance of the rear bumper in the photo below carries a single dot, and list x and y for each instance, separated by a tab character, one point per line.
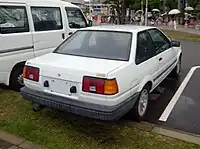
82	108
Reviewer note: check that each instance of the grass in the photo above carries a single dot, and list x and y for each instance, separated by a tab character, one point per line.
180	35
59	130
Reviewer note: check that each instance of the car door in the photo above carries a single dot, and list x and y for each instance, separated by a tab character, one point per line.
75	19
48	28
165	54
16	43
146	61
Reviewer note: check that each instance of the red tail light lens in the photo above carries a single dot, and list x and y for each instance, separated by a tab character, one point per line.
31	73
100	86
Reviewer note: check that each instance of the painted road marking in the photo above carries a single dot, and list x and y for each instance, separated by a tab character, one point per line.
176	96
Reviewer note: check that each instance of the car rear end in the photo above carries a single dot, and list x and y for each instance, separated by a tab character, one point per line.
79	81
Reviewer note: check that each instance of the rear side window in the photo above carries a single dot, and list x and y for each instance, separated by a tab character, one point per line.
75	18
145	48
13	19
46	18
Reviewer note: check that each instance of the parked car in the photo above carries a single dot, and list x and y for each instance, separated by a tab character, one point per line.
103	72
30	28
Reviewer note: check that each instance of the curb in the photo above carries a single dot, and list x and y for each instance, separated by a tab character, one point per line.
184	136
182	30
172	133
9	141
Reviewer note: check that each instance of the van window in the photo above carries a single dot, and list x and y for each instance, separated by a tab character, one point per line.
13	19
46	18
75	18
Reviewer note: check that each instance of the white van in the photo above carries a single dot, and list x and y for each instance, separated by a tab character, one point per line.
30	28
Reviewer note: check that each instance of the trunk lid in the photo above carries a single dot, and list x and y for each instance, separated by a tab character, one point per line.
73	68
64	71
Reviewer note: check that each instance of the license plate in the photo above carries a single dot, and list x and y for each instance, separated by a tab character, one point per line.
59	86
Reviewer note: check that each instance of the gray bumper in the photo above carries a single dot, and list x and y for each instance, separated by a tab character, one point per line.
80	107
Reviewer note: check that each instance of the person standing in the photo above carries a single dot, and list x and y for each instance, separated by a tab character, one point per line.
186	20
174	21
141	20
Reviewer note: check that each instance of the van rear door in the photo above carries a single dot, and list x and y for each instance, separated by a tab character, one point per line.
48	28
16	43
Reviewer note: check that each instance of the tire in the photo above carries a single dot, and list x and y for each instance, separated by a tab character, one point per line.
176	71
16	82
142	100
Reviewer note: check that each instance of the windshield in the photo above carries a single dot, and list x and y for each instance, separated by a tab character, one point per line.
98	44
75	17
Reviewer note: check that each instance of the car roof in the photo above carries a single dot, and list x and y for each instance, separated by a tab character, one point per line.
40	2
123	28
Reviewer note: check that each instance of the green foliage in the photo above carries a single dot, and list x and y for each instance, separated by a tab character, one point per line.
154	4
171	4
193	3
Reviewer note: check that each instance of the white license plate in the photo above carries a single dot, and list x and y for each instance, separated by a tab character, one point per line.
59	86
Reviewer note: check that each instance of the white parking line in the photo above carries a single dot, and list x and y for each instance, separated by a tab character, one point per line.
176	96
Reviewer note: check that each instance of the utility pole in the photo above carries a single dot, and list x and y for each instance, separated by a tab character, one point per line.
123	11
142	3
164	5
146	13
179	5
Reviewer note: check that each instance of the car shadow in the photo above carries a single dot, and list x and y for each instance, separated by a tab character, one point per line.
103	132
160	98
4	87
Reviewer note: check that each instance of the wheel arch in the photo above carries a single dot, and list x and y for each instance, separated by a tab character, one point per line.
147	81
19	64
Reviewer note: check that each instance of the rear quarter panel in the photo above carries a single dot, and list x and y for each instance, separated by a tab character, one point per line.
126	76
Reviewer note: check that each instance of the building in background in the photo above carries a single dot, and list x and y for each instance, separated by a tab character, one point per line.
98	6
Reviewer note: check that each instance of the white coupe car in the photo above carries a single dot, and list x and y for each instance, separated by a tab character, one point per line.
103	72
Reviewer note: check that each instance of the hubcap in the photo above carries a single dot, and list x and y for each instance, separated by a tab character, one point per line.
143	101
20	79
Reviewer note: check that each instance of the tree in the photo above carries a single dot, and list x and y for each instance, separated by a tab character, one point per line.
154	4
193	3
134	4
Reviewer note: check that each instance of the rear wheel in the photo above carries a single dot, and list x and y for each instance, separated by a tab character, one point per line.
16	79
140	108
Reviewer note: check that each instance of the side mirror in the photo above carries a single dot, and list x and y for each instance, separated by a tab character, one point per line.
175	43
89	23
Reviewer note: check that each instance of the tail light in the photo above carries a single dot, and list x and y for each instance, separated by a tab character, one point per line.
100	86
31	73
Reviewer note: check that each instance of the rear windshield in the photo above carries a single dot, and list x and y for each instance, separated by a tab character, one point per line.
98	44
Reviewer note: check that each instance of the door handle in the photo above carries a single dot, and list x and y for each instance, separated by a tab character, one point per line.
70	33
160	59
63	35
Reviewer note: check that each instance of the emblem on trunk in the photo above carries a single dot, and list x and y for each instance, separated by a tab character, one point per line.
59	74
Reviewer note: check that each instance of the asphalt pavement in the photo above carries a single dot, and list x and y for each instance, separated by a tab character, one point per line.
191	58
184	115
